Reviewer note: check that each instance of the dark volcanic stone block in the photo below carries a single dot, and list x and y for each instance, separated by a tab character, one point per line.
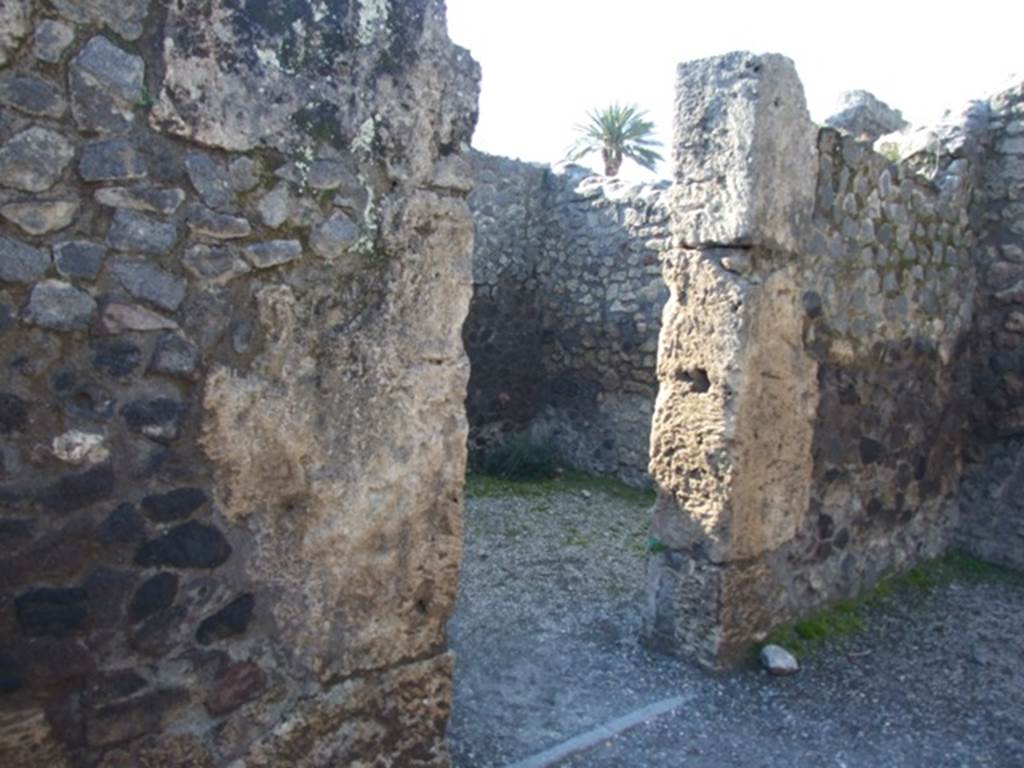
190	545
111	160
122	525
174	356
14	528
155	594
118	358
51	611
136	232
13	413
79	259
232	619
74	492
11	674
108	590
159	419
173	505
113	685
150	283
870	450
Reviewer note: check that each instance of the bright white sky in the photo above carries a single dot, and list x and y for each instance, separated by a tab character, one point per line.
547	62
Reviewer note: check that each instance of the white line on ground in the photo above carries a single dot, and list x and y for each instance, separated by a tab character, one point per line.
592	738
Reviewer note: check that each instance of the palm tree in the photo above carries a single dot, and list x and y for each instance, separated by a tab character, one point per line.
619	132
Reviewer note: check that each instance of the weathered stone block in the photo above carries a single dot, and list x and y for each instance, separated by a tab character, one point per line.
51	611
334	237
232	619
60	306
125	17
154	595
79	259
173	505
174	356
78	491
20	262
744	153
274	205
211	180
189	545
149	283
220	226
133	231
32	95
41	217
52	38
118	318
34	159
106	83
241	682
215	264
15	24
130	719
148	199
159	419
273	253
123	525
117	358
111	160
13	413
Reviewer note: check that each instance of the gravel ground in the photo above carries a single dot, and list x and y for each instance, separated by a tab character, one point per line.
546	627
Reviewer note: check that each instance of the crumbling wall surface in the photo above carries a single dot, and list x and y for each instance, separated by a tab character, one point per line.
812	368
234	262
563	326
992	501
504	328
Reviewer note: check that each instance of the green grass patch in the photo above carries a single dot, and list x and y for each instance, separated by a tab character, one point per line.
521	457
848	617
482	486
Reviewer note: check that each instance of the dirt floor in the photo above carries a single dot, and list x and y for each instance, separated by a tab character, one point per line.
546	636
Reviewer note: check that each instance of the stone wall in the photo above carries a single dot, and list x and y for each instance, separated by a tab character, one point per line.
992	502
813	365
504	329
602	297
234	261
566	308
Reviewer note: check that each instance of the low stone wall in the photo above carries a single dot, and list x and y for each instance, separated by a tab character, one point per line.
564	321
234	261
992	505
813	364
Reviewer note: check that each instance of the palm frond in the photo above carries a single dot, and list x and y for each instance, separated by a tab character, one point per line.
617	131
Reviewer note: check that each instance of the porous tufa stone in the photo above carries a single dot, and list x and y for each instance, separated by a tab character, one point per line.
744	148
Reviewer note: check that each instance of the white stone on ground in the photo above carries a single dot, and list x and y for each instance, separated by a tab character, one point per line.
778	661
